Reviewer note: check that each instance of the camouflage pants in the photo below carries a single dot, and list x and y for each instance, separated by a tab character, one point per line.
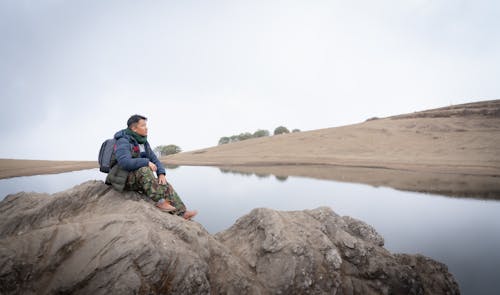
143	180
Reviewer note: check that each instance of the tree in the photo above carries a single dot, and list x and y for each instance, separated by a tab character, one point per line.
234	138
261	133
245	136
157	150
224	140
171	149
295	130
256	134
164	150
280	130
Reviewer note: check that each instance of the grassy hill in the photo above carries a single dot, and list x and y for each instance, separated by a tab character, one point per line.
451	144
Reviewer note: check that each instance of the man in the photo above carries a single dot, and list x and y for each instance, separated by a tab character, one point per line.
133	167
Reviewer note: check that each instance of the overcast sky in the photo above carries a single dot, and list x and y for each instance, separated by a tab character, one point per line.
72	72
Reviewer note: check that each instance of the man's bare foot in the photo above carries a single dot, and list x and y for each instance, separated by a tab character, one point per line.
189	214
165	206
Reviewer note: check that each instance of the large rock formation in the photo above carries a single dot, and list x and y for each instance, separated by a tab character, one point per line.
93	240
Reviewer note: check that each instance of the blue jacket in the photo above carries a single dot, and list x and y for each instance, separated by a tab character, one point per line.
125	144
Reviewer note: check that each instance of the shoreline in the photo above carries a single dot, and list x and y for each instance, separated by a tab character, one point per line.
475	185
16	167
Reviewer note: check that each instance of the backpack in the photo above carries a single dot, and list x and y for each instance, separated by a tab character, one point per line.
106	155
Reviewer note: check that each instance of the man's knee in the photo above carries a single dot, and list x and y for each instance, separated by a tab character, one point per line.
146	173
144	169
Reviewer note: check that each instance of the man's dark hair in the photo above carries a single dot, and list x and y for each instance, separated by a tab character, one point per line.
134	119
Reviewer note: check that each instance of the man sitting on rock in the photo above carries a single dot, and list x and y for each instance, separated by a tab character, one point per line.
133	165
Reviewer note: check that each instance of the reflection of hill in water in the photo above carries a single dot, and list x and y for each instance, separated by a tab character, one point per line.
258	174
452	185
172	166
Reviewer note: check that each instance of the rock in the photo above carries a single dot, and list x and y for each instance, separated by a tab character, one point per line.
92	239
318	251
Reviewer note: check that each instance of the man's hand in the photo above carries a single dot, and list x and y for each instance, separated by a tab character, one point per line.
152	166
162	179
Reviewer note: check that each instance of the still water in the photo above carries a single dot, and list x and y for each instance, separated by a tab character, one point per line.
462	233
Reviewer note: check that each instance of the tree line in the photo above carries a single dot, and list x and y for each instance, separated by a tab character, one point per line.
165	150
259	133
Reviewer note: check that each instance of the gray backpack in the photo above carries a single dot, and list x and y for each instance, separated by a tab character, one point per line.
107	155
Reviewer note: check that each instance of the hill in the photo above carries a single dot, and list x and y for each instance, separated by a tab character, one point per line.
451	150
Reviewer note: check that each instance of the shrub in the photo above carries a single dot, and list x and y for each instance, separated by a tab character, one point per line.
224	140
260	133
164	150
245	136
281	130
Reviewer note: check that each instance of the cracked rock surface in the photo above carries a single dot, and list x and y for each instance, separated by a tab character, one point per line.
91	239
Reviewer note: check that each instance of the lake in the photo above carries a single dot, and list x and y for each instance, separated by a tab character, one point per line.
462	233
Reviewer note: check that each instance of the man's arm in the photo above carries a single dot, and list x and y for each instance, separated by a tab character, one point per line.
152	157
124	156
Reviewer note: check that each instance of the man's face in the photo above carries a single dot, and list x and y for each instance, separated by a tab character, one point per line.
140	128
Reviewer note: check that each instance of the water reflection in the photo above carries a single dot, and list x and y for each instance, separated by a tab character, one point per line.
281	178
172	166
258	174
235	172
450	184
462	233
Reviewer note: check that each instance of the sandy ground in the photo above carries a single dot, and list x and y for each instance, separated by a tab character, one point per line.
453	150
12	167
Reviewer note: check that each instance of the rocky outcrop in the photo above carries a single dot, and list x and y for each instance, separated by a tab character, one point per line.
93	240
